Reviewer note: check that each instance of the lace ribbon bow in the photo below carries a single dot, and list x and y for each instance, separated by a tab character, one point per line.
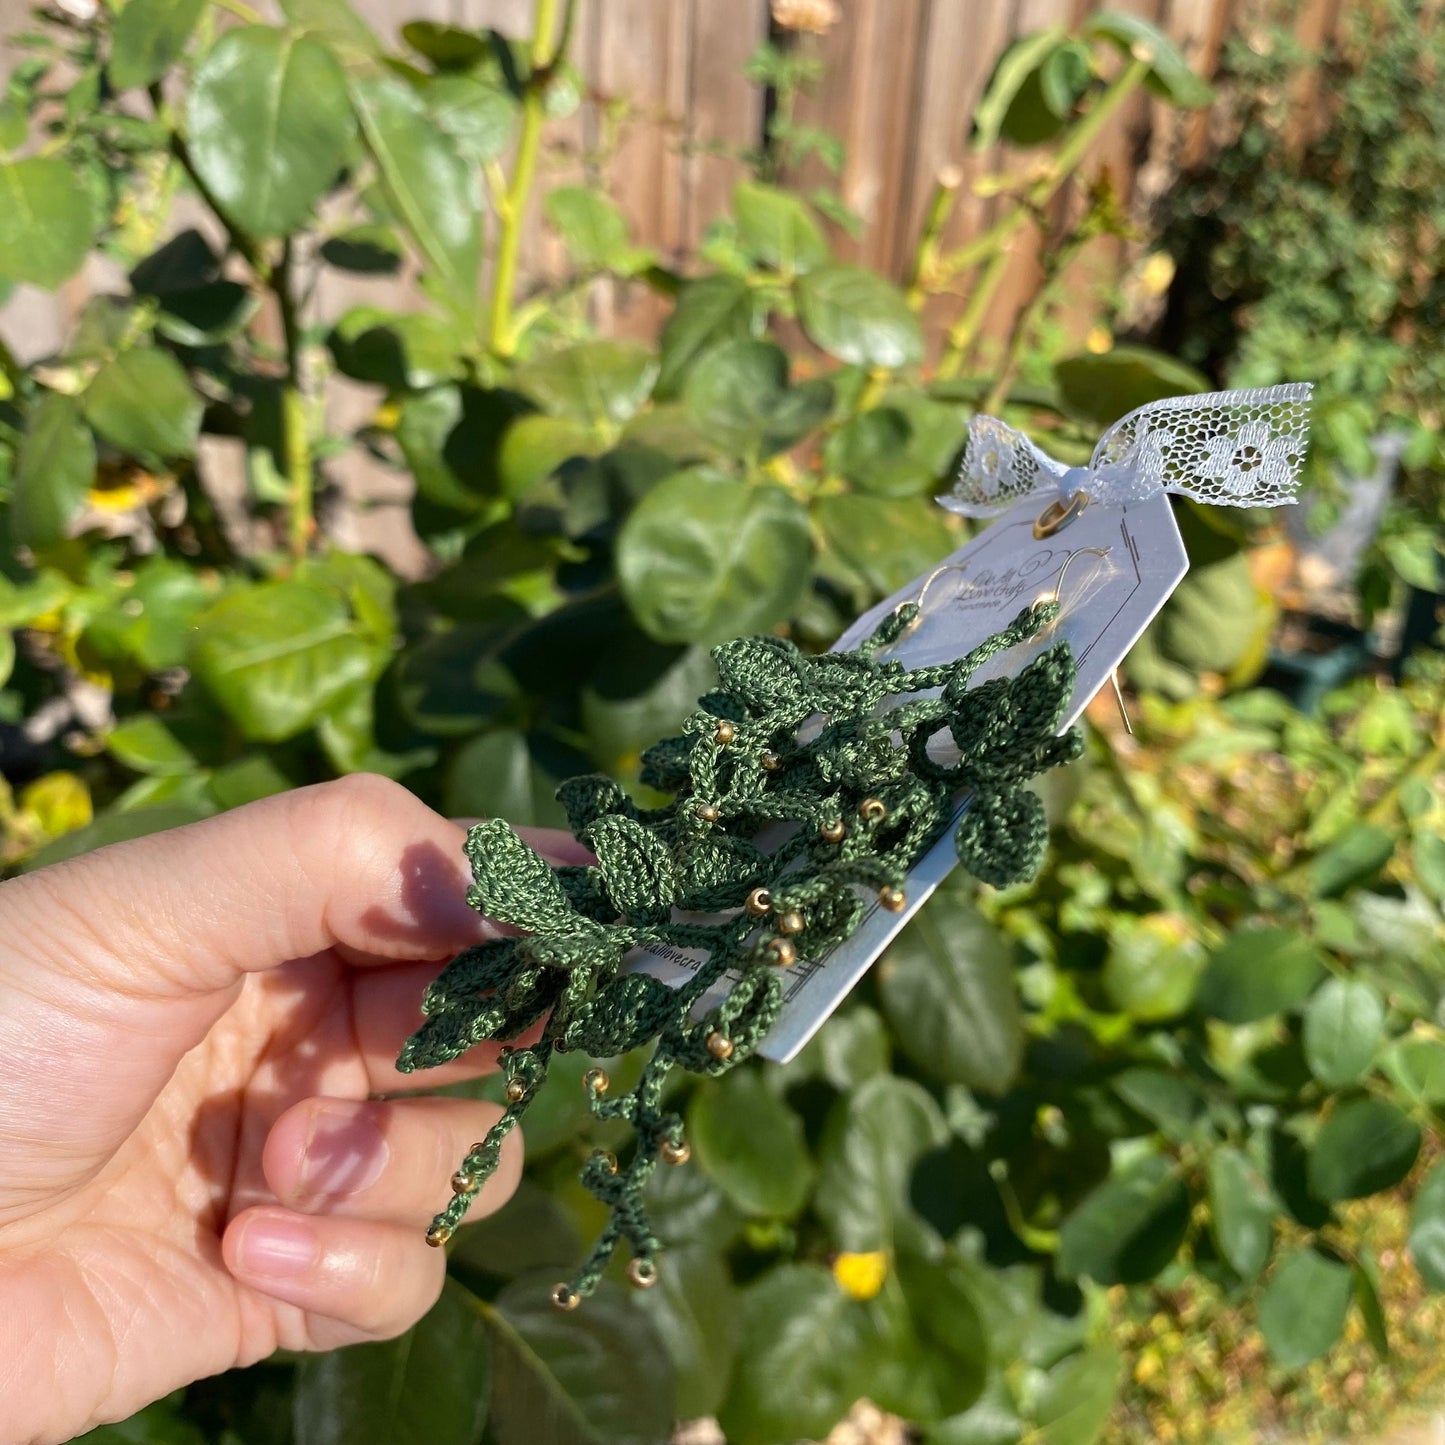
1229	448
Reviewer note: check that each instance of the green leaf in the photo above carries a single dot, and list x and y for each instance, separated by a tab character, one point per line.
428	1387
446	46
1365	1145
536	445
532	1231
1355	857
947	986
143	402
778	229
626	709
276	653
1303	1307
1257	972
148	37
1170	75
739	397
145	744
1241	1211
269	126
696	1312
709	311
1129	1228
594	231
952	1340
1100	389
1153	965
751	1144
882	542
806	1355
431	187
1022	59
1077	1397
452	438
1427	1229
870	450
597	382
54	470
1344	1022
498	775
398	350
1417	1065
47	221
1366	1278
703	558
874	1137
595	1376
859	317
477	116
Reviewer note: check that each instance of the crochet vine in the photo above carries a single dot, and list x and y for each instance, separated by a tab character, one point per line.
866	796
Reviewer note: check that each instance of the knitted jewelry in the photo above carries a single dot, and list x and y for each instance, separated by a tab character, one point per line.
860	796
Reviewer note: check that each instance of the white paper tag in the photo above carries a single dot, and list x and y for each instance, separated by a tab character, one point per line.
1122	563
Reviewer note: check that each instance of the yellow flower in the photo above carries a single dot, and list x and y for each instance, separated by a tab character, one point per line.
861	1275
1156	273
1099	340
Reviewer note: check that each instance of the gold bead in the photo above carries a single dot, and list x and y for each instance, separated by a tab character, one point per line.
675	1151
759	903
771	761
790	922
719	1045
463	1183
642	1273
505	1052
565	1297
608	1158
725	732
895	900
595	1081
872	810
833	831
516	1091
781	953
707	812
438	1235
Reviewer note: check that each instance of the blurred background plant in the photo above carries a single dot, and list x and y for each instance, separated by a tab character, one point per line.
1066	1140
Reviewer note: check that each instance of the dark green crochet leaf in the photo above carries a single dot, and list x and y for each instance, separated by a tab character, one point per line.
637	868
1010	826
514	884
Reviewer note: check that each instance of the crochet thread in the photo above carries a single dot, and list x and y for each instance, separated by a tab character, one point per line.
862	797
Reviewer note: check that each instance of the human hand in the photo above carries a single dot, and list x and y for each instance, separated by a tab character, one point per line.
191	1028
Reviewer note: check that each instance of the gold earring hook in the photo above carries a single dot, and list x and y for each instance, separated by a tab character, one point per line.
923	594
1057	596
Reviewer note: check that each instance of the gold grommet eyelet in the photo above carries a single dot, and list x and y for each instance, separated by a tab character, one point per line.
1059	514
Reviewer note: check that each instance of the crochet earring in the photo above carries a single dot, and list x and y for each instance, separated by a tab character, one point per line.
854	763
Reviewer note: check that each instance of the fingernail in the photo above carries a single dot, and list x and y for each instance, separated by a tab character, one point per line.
277	1247
345	1153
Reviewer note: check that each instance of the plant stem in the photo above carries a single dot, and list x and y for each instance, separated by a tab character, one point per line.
925	253
301	524
995	239
512	206
241	11
963	332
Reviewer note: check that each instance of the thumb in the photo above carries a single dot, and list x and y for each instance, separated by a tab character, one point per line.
120	961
